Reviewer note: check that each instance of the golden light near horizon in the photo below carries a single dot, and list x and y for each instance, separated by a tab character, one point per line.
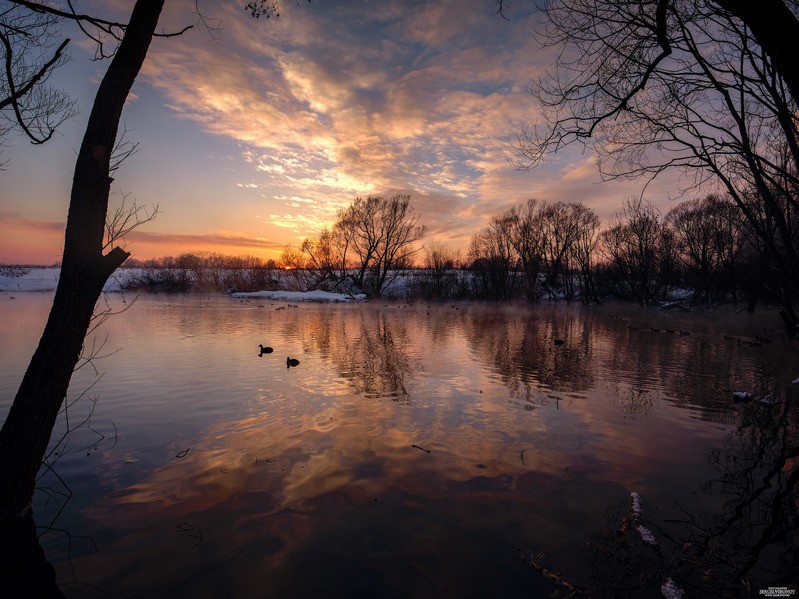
252	141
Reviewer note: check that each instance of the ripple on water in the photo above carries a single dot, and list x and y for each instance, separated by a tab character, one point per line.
467	429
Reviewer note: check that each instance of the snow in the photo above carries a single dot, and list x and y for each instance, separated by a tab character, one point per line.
646	535
669	590
768	401
301	296
23	279
28	279
635	507
681	294
635	501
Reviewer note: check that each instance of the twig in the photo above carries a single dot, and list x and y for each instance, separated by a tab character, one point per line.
573	587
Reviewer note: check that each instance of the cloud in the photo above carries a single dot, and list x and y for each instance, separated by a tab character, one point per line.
14	220
198	241
159	243
334	102
331	102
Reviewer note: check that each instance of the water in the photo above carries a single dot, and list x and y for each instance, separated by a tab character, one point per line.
415	451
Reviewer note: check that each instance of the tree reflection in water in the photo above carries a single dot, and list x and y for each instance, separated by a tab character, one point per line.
741	547
747	542
372	351
529	440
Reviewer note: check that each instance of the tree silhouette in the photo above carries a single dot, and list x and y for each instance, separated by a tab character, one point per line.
85	269
699	87
373	236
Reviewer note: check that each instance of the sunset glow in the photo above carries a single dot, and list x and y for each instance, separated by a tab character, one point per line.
251	136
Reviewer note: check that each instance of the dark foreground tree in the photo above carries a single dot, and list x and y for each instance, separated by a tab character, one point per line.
85	269
660	85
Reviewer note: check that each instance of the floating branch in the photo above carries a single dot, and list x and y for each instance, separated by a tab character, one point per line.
559	579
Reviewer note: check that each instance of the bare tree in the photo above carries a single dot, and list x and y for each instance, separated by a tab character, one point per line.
439	257
561	229
553	240
84	270
441	261
582	249
769	230
31	50
378	235
360	236
527	239
291	258
125	218
659	84
708	241
632	245
732	237
493	256
325	259
775	26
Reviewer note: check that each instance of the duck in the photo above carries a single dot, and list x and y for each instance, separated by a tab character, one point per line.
265	350
292	362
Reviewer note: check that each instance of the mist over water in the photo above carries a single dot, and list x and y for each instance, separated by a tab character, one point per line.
415	451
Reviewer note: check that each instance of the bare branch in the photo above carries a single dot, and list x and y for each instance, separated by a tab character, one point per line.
125	219
662	85
32	48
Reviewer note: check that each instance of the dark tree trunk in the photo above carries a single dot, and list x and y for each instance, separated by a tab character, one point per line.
26	563
27	429
776	29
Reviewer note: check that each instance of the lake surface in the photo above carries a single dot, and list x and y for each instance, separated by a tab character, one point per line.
420	450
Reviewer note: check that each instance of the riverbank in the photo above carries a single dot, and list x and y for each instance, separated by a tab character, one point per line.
19	279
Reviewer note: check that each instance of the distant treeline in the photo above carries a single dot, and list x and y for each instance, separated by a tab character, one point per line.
203	271
559	250
534	250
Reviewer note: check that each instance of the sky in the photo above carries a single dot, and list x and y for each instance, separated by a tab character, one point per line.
252	134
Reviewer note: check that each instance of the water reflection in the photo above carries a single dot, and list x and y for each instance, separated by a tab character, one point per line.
371	349
410	453
744	543
534	352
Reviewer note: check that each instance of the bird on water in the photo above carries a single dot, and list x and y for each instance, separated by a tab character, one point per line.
265	350
292	362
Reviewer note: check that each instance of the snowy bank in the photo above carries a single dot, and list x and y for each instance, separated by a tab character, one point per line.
26	279
301	296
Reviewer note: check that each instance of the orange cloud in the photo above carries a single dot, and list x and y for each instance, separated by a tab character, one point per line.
30	240
327	108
